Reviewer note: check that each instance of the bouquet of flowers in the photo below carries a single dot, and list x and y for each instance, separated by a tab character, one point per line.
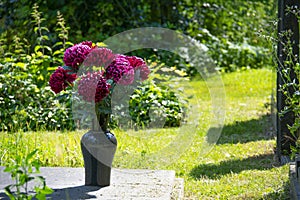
96	71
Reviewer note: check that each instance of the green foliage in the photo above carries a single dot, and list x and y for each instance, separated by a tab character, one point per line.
39	30
229	29
22	170
62	30
231	57
159	101
153	104
291	90
27	103
223	26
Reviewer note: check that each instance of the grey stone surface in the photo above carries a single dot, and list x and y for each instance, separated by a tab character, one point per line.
68	183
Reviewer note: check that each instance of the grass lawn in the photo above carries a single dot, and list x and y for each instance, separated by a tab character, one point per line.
240	165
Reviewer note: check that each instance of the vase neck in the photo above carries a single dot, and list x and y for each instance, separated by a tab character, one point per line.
103	120
103	113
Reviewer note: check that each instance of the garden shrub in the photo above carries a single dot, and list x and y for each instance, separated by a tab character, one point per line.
232	57
159	105
26	103
230	31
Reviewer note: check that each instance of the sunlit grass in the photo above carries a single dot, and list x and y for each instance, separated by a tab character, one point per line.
54	148
240	166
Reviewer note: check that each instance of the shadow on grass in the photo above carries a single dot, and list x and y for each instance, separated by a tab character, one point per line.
283	194
216	171
245	131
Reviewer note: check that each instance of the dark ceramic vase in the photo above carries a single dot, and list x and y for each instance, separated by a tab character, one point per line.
98	149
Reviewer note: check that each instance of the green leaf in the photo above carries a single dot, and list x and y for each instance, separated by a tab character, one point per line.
36	29
21	65
28	179
36	165
31	154
40	196
46	190
9	193
69	43
9	169
58	44
19	171
57	52
45	29
48	48
101	44
36	48
51	68
45	37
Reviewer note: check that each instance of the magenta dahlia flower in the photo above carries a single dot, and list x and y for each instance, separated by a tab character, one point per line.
75	55
93	87
99	57
88	43
61	79
143	71
120	68
139	66
135	61
127	78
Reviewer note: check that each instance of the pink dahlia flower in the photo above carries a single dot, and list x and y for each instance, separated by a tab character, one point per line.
75	55
120	68
93	87
99	57
61	79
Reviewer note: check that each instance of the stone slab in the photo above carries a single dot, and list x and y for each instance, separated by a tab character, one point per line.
68	183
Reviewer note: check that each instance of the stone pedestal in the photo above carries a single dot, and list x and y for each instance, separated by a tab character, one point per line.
133	184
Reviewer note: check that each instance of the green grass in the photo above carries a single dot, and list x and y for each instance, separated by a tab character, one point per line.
240	165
